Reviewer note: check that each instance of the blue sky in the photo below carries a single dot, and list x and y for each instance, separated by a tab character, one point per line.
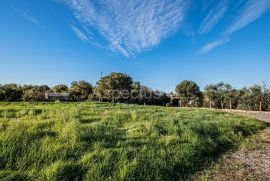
157	42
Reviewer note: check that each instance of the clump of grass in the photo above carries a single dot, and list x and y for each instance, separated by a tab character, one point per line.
63	170
101	141
14	176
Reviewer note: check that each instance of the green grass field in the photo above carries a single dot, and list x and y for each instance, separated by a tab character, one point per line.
99	141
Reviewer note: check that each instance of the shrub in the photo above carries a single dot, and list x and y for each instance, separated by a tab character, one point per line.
175	101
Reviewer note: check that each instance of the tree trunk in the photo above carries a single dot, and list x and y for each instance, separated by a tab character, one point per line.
222	105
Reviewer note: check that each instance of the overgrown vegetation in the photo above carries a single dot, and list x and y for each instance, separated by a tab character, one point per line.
102	141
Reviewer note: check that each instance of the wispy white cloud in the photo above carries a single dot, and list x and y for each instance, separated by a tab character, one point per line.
212	45
130	26
250	12
253	10
214	16
27	17
30	18
82	36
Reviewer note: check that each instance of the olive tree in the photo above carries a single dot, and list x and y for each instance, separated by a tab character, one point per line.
114	87
11	92
60	88
219	94
80	91
188	90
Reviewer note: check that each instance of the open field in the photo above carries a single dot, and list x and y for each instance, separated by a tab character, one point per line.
100	141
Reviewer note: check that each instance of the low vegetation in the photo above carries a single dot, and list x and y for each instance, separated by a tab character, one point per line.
102	141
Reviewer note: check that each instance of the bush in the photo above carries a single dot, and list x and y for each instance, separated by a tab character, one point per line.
175	101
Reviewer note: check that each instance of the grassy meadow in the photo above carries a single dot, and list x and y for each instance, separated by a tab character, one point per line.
102	141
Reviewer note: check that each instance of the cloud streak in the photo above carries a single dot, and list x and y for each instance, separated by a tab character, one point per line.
214	16
82	36
129	26
253	10
27	17
250	12
215	44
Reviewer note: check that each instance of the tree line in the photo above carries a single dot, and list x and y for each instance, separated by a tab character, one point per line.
120	88
224	96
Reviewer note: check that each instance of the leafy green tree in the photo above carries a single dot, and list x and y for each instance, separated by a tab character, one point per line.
114	87
44	88
80	91
160	98
254	96
244	101
135	93
34	93
188	90
232	98
228	95
11	92
268	101
174	101
146	95
219	94
60	89
2	96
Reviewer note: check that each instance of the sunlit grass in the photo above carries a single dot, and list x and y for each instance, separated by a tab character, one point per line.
100	141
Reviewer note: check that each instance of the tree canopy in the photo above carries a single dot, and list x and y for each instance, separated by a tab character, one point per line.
11	92
61	88
34	93
188	90
219	94
114	86
80	91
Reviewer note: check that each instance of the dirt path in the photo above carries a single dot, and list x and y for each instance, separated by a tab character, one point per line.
262	117
250	162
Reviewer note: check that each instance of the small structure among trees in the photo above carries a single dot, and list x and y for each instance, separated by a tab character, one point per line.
57	97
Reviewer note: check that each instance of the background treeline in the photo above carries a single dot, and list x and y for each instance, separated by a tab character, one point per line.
119	87
223	96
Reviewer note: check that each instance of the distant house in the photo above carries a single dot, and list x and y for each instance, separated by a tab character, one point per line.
172	95
57	97
192	103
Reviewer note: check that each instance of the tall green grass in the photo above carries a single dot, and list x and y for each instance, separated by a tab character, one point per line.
100	141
